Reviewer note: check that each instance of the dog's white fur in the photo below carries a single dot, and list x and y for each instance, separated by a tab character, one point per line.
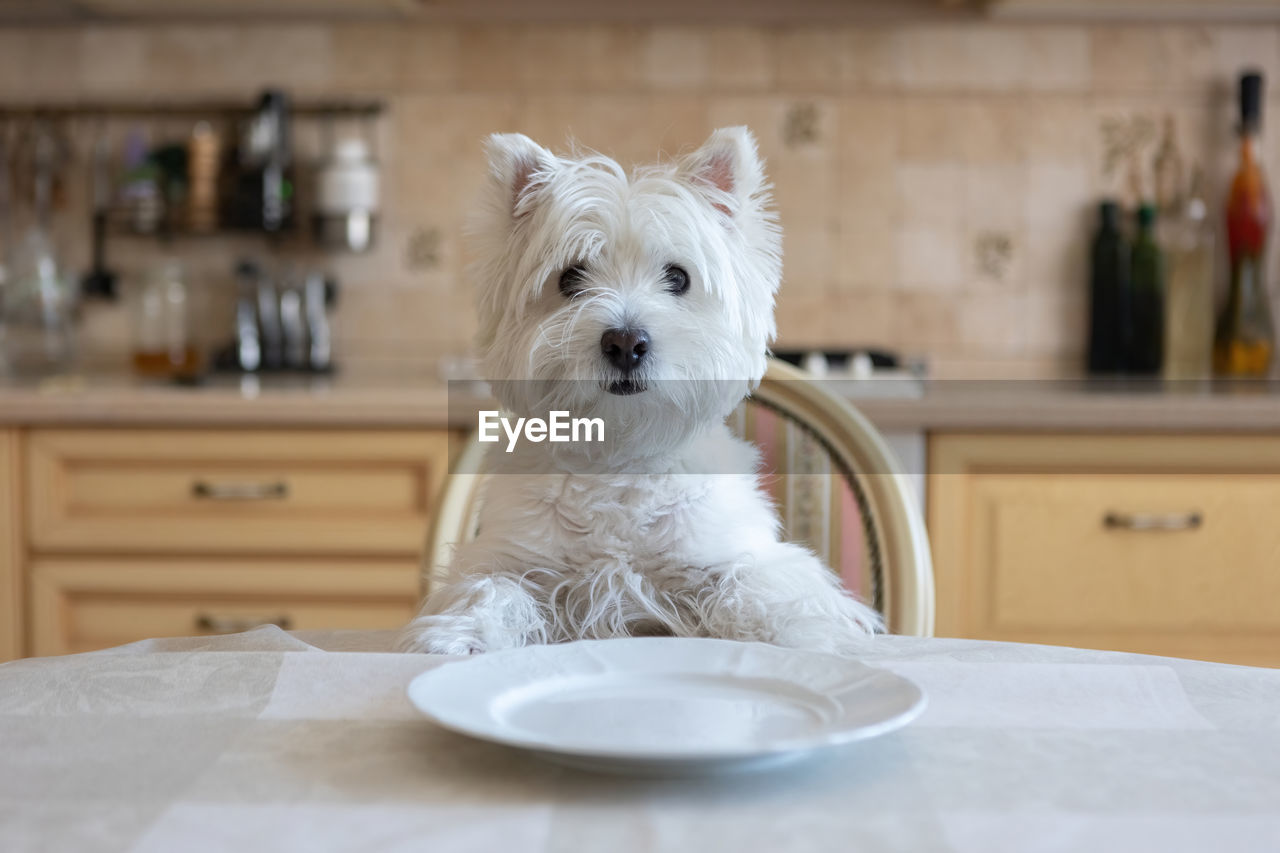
663	527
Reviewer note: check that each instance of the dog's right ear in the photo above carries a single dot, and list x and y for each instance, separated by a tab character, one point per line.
518	166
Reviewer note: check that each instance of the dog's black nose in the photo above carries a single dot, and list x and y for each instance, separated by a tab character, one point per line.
625	348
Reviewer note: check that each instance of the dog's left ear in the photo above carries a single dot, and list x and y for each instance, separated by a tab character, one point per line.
728	168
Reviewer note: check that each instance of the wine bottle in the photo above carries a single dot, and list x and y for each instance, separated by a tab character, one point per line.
1146	276
1108	293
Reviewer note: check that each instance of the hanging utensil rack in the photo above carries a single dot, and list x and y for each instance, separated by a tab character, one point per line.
195	110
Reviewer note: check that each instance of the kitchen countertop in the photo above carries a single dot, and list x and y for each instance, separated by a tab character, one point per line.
384	401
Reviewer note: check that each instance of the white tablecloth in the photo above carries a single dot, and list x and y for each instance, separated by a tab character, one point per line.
263	741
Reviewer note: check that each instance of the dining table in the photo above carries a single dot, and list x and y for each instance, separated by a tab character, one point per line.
294	741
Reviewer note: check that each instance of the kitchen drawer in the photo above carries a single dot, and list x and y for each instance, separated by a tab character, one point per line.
1158	544
80	605
232	492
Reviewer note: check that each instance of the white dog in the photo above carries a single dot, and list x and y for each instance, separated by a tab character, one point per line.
647	301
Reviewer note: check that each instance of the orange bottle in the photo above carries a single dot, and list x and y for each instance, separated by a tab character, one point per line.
1245	337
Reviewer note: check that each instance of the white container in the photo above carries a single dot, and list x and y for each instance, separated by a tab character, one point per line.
347	198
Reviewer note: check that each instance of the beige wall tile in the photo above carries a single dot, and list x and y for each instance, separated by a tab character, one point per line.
430	59
859	318
38	64
996	59
1058	59
1055	325
993	130
490	58
367	56
931	195
1126	58
1237	47
1059	129
235	59
925	323
1057	258
929	130
743	59
930	258
580	57
869	196
802	318
676	57
810	58
1160	58
992	324
868	129
866	257
807	258
113	60
871	58
994	196
934	59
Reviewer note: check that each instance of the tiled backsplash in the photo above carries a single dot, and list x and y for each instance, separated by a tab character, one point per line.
936	182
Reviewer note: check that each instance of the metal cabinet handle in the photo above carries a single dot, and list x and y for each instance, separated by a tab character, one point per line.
1153	520
210	624
275	491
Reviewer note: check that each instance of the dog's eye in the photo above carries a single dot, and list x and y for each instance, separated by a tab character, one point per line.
572	280
676	280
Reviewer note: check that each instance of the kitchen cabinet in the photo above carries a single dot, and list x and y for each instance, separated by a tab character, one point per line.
1162	544
82	604
11	587
135	533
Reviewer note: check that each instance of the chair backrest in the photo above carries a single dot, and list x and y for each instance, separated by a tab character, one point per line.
835	482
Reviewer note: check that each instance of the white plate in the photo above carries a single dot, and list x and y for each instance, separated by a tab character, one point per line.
664	704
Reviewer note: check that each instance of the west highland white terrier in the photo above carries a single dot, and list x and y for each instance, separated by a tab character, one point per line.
644	300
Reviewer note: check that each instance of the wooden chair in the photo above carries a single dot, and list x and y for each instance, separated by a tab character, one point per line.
835	482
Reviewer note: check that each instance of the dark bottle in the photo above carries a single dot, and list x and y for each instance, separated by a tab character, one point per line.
1108	293
1146	288
1245	338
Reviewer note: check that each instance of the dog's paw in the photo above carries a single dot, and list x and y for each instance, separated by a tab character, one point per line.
434	639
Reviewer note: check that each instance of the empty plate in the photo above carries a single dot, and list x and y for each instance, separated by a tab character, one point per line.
665	704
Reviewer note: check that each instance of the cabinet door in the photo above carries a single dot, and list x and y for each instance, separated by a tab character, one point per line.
83	604
1156	544
11	586
197	492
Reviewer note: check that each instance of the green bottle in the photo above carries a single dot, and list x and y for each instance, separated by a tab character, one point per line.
1146	282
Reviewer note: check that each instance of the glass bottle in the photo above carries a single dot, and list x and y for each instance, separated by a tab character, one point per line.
1146	277
1108	293
162	341
1188	326
1245	337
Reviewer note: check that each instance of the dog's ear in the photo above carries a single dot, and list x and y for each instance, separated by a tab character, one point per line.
728	168
517	163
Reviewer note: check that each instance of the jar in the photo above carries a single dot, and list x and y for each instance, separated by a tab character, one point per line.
162	346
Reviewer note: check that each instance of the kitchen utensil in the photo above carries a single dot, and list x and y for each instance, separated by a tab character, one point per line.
269	328
248	343
100	281
318	295
293	327
666	705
